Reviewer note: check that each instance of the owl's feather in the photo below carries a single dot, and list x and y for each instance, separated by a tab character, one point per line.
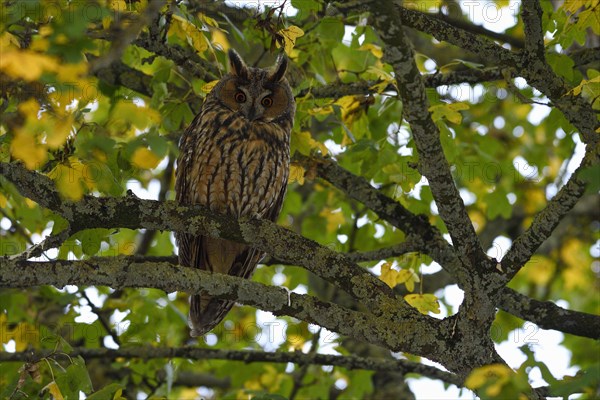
234	161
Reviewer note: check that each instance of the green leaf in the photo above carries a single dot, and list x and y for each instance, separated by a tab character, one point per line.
74	379
497	204
108	392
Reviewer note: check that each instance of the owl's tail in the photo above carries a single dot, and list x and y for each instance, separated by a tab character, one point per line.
206	313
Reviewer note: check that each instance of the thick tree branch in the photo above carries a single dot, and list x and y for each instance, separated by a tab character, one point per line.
531	12
120	272
133	213
548	315
432	162
196	353
577	110
441	251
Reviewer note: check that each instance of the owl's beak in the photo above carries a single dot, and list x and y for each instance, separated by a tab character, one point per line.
252	113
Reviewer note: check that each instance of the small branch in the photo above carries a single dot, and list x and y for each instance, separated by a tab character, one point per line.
586	56
125	35
478	29
546	220
101	316
51	242
119	74
299	374
338	89
464	39
397	250
196	353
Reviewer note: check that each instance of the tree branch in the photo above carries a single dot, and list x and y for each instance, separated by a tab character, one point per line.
120	272
548	315
441	251
196	353
546	220
432	162
339	89
531	12
133	213
577	109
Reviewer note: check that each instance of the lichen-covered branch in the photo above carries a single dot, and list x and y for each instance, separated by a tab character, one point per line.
120	272
548	315
531	12
546	220
538	74
196	353
398	52
538	312
134	213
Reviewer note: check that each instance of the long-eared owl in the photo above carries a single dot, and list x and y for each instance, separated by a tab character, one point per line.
234	159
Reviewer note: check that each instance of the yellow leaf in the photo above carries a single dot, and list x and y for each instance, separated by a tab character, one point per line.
296	174
592	84
388	275
351	108
290	35
8	42
209	86
117	5
334	219
144	158
208	20
3	201
449	111
493	374
373	48
408	277
325	110
425	303
27	65
305	144
68	181
58	136
24	147
119	395
219	39
53	389
188	32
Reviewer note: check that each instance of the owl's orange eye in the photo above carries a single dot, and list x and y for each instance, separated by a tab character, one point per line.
240	97
267	102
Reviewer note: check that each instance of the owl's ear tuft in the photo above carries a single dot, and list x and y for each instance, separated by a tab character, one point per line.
279	69
238	66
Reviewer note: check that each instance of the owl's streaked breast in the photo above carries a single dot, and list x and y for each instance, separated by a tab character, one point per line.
239	167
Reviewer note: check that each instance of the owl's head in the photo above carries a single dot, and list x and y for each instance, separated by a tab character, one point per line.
257	94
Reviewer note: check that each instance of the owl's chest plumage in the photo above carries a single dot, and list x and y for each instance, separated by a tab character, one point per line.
235	166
